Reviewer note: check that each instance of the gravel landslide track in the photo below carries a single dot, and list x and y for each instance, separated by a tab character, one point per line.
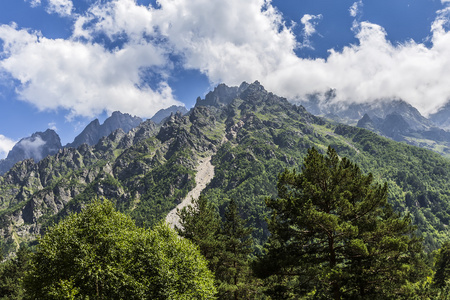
205	173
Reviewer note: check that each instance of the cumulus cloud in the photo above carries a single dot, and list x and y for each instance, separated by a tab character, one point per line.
376	69
228	41
356	8
60	7
6	144
84	78
310	23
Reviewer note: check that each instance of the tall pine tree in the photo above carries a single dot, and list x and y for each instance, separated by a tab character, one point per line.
226	244
334	236
234	273
200	223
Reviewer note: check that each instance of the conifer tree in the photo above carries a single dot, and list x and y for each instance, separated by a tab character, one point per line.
234	273
334	236
11	274
200	223
442	265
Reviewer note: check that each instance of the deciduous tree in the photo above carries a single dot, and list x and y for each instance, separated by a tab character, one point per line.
100	254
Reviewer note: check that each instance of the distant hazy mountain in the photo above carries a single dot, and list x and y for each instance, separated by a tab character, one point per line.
394	119
442	117
94	131
37	146
166	112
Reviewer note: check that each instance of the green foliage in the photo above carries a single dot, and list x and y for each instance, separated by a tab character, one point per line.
200	223
100	254
11	275
165	186
442	265
233	272
335	236
226	244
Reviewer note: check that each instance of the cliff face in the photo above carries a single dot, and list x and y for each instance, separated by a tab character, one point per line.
251	136
94	131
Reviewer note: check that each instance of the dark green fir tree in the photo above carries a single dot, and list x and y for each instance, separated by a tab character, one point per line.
200	223
234	273
334	236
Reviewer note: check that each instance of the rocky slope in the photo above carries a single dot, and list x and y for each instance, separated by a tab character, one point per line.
251	135
205	172
95	131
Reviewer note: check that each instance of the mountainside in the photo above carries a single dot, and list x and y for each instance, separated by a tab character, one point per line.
394	119
94	131
42	144
251	135
36	147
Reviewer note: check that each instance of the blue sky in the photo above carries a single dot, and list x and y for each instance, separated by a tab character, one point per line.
66	62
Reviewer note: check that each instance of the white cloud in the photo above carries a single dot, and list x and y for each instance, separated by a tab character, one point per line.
52	126
375	69
84	78
115	18
60	7
6	144
34	3
310	22
229	41
32	147
356	8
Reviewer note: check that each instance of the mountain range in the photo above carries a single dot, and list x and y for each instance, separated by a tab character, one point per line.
394	119
41	144
248	134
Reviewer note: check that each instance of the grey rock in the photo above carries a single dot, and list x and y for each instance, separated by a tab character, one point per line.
94	131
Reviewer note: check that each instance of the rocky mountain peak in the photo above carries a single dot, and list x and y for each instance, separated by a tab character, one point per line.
366	122
223	95
94	131
38	146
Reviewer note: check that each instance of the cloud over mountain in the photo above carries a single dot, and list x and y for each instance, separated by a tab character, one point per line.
228	41
6	145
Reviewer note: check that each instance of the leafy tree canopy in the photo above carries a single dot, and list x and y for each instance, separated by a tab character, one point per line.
100	254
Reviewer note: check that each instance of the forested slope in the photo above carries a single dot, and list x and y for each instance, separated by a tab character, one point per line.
252	135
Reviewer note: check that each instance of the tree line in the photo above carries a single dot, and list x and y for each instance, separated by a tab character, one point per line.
333	235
